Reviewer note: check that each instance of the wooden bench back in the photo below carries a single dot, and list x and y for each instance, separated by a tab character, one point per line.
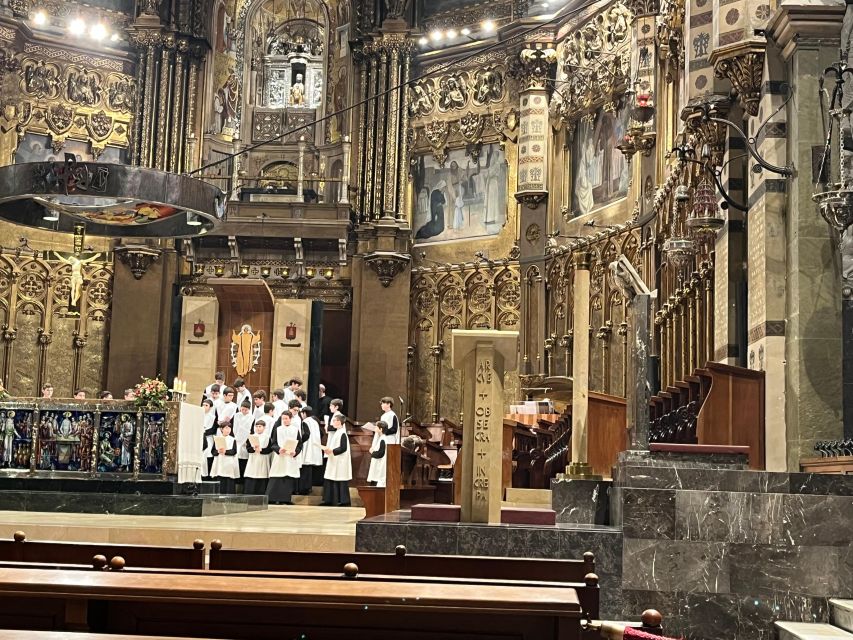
82	553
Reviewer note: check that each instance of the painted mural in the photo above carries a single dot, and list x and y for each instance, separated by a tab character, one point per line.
464	198
599	170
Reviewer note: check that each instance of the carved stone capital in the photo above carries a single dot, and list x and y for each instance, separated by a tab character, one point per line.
697	116
387	265
536	65
531	199
744	68
137	258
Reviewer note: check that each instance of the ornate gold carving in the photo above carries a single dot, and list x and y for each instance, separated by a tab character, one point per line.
594	64
41	79
59	118
421	100
83	86
72	57
670	34
436	133
121	94
471	127
744	71
488	86
453	92
536	66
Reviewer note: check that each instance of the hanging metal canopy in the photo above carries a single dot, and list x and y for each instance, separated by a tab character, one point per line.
112	199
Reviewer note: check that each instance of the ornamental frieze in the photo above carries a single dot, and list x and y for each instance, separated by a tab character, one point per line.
479	87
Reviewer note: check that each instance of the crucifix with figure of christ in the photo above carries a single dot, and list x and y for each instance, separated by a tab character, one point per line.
77	260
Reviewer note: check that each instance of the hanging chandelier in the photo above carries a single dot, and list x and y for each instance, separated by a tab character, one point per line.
834	198
112	199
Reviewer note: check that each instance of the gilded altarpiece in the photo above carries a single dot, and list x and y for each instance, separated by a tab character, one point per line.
42	341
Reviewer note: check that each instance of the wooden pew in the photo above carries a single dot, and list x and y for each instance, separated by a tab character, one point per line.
198	604
577	574
20	634
21	550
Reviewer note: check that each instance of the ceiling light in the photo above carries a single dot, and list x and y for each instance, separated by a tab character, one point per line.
451	33
77	27
39	18
51	215
98	31
192	220
424	41
115	37
465	31
436	35
488	25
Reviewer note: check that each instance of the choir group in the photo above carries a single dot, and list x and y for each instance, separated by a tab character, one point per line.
274	447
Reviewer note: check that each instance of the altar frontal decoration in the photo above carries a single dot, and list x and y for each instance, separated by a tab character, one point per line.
111	199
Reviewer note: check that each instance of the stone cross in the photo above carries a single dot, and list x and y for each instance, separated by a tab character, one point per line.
484	356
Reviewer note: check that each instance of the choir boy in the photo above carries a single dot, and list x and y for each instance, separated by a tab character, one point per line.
225	467
378	457
392	435
278	402
260	399
338	466
284	471
215	396
241	393
218	380
335	406
258	467
302	397
227	407
376	471
243	422
210	428
312	453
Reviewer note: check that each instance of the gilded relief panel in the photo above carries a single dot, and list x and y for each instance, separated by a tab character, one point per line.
43	342
69	103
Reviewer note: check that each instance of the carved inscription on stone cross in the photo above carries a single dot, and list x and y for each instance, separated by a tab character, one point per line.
482	436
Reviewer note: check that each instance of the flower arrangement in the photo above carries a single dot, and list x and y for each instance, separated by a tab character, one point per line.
151	393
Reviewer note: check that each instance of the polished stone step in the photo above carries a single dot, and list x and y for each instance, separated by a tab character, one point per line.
841	613
316	497
129	504
810	631
516	497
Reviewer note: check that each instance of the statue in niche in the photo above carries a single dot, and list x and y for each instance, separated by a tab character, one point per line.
453	94
297	92
226	100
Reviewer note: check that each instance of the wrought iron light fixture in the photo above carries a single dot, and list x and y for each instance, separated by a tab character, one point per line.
834	198
113	200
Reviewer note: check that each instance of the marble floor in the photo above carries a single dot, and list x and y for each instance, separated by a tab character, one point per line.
298	528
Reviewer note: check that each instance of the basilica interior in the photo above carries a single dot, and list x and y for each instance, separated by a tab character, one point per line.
602	243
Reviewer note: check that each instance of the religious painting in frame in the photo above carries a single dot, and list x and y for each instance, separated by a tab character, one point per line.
463	198
116	442
153	439
65	440
16	438
600	172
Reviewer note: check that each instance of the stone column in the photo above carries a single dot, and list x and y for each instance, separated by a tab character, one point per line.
579	466
484	356
346	146
799	343
537	62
